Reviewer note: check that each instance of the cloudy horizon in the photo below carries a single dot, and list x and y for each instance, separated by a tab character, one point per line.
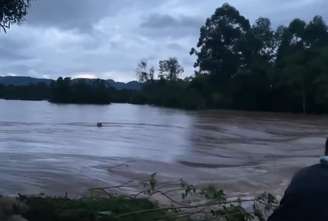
107	38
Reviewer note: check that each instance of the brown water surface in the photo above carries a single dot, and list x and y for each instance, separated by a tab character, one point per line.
58	148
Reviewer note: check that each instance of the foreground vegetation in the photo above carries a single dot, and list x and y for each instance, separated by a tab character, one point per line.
183	202
39	208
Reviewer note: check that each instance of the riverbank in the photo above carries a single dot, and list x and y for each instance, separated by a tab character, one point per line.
157	201
160	93
43	208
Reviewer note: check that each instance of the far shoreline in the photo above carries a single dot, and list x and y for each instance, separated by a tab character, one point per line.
223	110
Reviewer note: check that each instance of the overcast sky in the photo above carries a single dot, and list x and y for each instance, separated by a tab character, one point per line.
107	38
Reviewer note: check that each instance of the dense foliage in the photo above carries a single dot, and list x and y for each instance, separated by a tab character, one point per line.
12	11
39	91
252	67
80	91
64	90
46	208
88	209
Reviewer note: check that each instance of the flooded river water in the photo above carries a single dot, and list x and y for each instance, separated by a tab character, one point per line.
58	148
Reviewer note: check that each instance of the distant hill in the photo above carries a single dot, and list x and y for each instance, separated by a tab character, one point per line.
132	85
23	81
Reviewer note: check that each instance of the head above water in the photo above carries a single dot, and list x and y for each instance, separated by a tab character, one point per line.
326	147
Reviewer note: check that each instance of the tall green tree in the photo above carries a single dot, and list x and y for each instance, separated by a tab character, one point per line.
264	42
220	48
144	73
316	34
170	69
251	87
300	66
319	65
292	39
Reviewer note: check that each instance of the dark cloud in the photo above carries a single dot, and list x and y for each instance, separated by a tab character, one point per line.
79	14
107	38
7	54
167	25
156	21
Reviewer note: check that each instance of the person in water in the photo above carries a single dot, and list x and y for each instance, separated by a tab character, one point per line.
306	198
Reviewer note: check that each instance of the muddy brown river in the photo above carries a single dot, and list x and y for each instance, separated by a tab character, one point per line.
55	149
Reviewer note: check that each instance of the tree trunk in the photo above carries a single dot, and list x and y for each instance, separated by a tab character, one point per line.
304	102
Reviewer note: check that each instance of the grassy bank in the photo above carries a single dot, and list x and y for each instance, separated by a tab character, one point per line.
178	201
85	209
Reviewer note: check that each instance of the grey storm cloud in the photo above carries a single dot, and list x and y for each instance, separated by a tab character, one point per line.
157	21
107	38
168	25
80	14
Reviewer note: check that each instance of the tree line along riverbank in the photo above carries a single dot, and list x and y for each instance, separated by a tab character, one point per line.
238	65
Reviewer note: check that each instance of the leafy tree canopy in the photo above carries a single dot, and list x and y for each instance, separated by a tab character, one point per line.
12	11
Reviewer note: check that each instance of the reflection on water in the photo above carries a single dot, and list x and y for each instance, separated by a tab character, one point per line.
43	144
128	131
59	148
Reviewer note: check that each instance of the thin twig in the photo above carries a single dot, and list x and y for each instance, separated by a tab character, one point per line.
179	208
